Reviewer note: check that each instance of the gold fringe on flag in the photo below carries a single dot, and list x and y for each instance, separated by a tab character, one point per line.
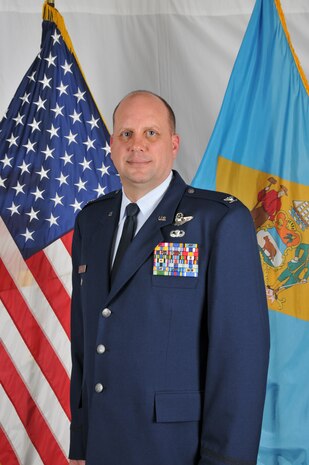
296	59
50	13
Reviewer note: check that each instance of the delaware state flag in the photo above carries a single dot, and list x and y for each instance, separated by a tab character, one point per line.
259	152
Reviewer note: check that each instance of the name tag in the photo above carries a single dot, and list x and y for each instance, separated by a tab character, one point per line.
82	269
175	259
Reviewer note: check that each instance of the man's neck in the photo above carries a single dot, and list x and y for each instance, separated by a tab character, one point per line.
134	193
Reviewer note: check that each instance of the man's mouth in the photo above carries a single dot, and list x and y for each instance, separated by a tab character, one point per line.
138	162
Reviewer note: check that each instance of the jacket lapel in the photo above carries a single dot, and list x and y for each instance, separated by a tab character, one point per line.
105	235
149	235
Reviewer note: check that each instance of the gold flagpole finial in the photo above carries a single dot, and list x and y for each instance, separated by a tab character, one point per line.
51	2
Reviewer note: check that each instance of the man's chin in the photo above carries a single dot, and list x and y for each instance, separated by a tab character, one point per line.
141	184
139	177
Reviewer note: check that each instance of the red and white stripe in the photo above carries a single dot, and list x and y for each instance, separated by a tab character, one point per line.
34	353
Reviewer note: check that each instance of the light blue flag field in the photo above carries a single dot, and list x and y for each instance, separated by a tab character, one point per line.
259	152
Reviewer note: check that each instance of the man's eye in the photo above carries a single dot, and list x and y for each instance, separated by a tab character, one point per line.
151	133
125	134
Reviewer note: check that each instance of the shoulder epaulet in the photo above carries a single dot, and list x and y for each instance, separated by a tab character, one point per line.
110	195
215	196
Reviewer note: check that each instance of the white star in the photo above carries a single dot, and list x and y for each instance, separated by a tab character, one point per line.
29	146
81	185
28	235
40	103
85	164
45	82
43	173
48	152
51	60
57	110
24	167
75	116
33	214
19	188
14	209
71	137
77	205
12	140
67	158
25	97
6	161
62	88
56	37
100	190
2	182
63	179
107	149
79	95
32	76
89	143
38	194
53	131
19	119
35	125
52	220
67	67
93	122
104	169
57	200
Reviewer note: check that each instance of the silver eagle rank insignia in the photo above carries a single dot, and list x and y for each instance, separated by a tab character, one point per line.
230	199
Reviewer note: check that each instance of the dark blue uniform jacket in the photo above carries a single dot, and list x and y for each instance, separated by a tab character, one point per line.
168	370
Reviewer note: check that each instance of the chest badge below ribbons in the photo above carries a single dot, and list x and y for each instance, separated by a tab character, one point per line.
175	259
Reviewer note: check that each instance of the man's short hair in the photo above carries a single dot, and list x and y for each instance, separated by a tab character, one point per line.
171	114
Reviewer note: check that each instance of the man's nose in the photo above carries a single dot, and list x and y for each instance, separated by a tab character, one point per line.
137	143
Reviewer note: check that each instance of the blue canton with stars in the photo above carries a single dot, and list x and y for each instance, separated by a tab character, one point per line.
54	149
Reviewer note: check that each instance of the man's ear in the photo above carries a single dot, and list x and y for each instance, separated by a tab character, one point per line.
175	144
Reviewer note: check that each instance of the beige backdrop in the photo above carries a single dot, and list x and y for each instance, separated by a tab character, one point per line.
182	49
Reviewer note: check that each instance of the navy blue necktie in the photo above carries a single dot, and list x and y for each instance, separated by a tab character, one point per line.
127	235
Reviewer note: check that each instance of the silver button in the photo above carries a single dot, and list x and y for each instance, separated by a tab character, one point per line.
106	312
191	190
99	387
101	349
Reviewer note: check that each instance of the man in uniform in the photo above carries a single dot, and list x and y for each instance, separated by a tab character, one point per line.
170	334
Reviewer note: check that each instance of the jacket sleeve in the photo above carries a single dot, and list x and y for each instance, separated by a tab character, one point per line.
238	333
78	427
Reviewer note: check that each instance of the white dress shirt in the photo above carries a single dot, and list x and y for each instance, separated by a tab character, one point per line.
146	205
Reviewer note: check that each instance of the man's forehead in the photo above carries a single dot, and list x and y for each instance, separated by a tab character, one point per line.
149	111
144	101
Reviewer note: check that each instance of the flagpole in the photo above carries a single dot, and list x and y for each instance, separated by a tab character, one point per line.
51	2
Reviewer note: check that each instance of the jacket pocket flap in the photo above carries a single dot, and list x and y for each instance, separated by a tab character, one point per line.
178	406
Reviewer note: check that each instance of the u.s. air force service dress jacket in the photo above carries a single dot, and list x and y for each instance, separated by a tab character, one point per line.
170	362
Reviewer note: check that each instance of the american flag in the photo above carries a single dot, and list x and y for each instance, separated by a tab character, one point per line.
54	158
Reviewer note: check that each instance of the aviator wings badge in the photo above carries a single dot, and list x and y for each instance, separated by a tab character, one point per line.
180	219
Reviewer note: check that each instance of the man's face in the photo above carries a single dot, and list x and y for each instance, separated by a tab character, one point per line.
143	147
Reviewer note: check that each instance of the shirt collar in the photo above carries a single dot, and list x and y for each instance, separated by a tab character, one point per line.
149	201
